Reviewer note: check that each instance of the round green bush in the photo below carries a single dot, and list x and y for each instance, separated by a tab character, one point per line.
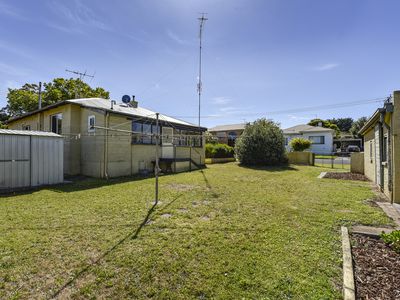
261	143
300	144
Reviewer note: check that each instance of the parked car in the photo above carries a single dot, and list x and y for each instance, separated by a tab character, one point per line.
353	148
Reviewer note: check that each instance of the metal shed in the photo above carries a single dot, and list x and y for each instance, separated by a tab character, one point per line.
30	158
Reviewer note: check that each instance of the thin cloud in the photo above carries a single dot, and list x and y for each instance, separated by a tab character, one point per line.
77	16
173	36
14	49
221	100
326	67
294	117
12	70
11	12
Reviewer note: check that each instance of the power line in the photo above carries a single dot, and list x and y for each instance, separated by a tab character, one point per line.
300	109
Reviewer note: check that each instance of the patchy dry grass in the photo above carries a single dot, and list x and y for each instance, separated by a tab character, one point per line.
225	232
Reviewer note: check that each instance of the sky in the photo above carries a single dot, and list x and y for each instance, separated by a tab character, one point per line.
278	59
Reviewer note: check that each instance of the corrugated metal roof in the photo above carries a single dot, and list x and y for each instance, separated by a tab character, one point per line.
228	127
29	132
305	128
125	109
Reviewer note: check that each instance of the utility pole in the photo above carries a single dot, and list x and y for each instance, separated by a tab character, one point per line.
40	95
156	167
202	19
81	77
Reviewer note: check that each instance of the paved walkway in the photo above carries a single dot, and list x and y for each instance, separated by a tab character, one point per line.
391	212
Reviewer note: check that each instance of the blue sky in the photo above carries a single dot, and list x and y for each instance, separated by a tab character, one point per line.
259	56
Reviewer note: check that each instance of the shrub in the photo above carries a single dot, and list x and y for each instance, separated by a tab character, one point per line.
210	139
261	143
300	144
219	151
392	239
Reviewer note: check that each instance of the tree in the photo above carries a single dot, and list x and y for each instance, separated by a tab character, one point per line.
325	124
25	99
344	124
3	117
300	144
357	125
261	143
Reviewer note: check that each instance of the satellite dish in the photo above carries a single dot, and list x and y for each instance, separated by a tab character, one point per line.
126	98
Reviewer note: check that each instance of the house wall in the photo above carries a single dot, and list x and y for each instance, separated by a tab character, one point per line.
395	149
223	135
326	148
98	153
369	155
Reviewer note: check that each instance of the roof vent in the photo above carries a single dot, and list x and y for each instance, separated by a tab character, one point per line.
320	124
134	103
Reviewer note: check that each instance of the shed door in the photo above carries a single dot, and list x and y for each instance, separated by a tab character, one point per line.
14	161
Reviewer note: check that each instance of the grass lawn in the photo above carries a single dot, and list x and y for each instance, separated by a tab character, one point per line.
335	166
226	232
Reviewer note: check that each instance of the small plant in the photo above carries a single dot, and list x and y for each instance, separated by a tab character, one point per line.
300	144
392	239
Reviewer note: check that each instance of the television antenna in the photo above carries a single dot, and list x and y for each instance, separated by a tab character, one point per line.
202	20
81	77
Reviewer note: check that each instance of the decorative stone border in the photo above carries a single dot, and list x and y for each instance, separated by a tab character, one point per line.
348	275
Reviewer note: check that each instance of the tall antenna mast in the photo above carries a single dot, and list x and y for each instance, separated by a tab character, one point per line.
81	77
202	19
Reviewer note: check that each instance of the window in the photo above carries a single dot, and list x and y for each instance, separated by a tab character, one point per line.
384	149
317	139
56	123
286	141
232	138
91	123
144	133
26	127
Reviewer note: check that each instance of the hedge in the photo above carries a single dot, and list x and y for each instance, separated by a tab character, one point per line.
219	151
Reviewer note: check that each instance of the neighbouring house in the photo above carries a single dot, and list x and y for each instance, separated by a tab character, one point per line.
227	134
105	139
321	138
382	148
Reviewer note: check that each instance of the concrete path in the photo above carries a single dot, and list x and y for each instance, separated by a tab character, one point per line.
391	212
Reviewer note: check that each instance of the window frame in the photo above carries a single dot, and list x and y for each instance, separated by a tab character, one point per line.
90	129
26	127
59	118
322	137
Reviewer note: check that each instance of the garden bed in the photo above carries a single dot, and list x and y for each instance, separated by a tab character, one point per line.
346	176
376	268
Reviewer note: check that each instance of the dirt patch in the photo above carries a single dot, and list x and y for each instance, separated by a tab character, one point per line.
376	268
166	216
346	176
181	187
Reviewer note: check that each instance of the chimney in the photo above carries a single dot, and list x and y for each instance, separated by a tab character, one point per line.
112	103
320	124
134	103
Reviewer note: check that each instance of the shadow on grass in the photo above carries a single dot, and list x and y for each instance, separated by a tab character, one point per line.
277	168
76	184
131	235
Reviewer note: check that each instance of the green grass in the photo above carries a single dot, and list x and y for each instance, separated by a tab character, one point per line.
226	232
325	156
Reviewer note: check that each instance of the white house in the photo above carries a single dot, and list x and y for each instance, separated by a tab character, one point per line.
321	138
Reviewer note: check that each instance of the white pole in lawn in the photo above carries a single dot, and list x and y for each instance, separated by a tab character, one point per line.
156	168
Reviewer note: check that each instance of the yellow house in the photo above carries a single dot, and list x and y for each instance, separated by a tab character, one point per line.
382	148
105	139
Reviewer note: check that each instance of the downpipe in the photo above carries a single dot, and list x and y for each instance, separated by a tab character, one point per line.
105	159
